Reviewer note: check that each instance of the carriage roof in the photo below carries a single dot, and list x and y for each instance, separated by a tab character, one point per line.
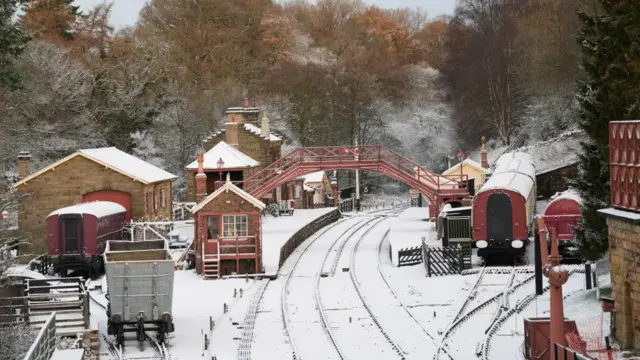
514	171
95	208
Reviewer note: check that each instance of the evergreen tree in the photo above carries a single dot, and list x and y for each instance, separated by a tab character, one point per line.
12	42
610	42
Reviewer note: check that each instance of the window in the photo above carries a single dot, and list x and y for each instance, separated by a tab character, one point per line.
155	200
149	203
163	198
213	227
234	226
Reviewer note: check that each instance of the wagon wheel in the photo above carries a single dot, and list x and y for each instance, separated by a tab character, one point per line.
140	329
120	335
161	332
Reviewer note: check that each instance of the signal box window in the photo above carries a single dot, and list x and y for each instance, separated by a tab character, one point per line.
234	226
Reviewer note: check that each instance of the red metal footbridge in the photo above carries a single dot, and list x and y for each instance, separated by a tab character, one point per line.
436	188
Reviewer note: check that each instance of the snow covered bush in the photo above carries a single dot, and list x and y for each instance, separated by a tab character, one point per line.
273	210
16	340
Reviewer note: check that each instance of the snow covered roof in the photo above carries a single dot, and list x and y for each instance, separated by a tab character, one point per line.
232	157
514	171
309	188
567	194
471	163
256	130
116	160
314	177
96	208
228	186
444	182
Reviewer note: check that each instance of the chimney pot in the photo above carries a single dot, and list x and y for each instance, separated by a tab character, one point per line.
23	164
264	130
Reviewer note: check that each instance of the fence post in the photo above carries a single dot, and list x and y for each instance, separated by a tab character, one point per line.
428	262
538	263
445	232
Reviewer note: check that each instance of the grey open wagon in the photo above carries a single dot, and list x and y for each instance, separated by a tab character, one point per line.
140	287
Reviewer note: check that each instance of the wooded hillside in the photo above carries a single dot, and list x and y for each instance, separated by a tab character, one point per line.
327	74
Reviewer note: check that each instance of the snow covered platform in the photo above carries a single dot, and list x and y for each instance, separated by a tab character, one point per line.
408	229
277	230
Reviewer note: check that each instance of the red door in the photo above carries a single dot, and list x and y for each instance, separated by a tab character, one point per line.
118	197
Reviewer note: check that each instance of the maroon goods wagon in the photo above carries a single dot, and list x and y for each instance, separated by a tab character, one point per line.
77	235
502	214
561	218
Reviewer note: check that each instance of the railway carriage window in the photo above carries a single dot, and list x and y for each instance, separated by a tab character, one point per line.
234	225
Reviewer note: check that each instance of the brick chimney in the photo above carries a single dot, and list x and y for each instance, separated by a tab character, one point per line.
23	164
264	129
483	154
201	179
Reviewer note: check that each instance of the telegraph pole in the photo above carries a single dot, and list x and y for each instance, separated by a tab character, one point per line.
357	179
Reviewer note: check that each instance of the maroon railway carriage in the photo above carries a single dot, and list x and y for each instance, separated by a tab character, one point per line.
78	234
561	218
503	208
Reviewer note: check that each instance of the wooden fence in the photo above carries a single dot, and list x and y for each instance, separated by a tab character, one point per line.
308	230
440	261
66	296
45	343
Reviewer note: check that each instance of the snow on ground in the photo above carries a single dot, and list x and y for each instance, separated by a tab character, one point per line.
277	230
408	230
194	301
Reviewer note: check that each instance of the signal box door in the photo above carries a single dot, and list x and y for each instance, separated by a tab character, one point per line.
71	234
499	219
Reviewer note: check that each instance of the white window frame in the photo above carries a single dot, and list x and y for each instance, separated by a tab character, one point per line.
232	226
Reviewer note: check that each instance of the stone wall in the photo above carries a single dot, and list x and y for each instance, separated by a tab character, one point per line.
65	186
624	253
160	212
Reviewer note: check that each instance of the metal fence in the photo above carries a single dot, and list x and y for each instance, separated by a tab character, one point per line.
410	256
45	343
440	261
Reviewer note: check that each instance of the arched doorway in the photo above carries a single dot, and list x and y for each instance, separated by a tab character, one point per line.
499	217
118	197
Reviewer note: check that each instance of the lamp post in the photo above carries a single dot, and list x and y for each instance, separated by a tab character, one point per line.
220	164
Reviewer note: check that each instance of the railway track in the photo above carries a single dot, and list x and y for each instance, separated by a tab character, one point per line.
244	350
316	306
356	285
284	308
462	316
118	351
506	315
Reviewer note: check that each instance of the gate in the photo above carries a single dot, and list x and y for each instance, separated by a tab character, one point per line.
441	261
456	229
409	256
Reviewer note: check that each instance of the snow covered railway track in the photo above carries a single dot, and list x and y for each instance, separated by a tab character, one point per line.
463	317
356	284
244	350
118	351
310	252
511	311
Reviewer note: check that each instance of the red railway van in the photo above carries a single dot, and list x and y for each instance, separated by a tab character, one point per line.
77	234
561	217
